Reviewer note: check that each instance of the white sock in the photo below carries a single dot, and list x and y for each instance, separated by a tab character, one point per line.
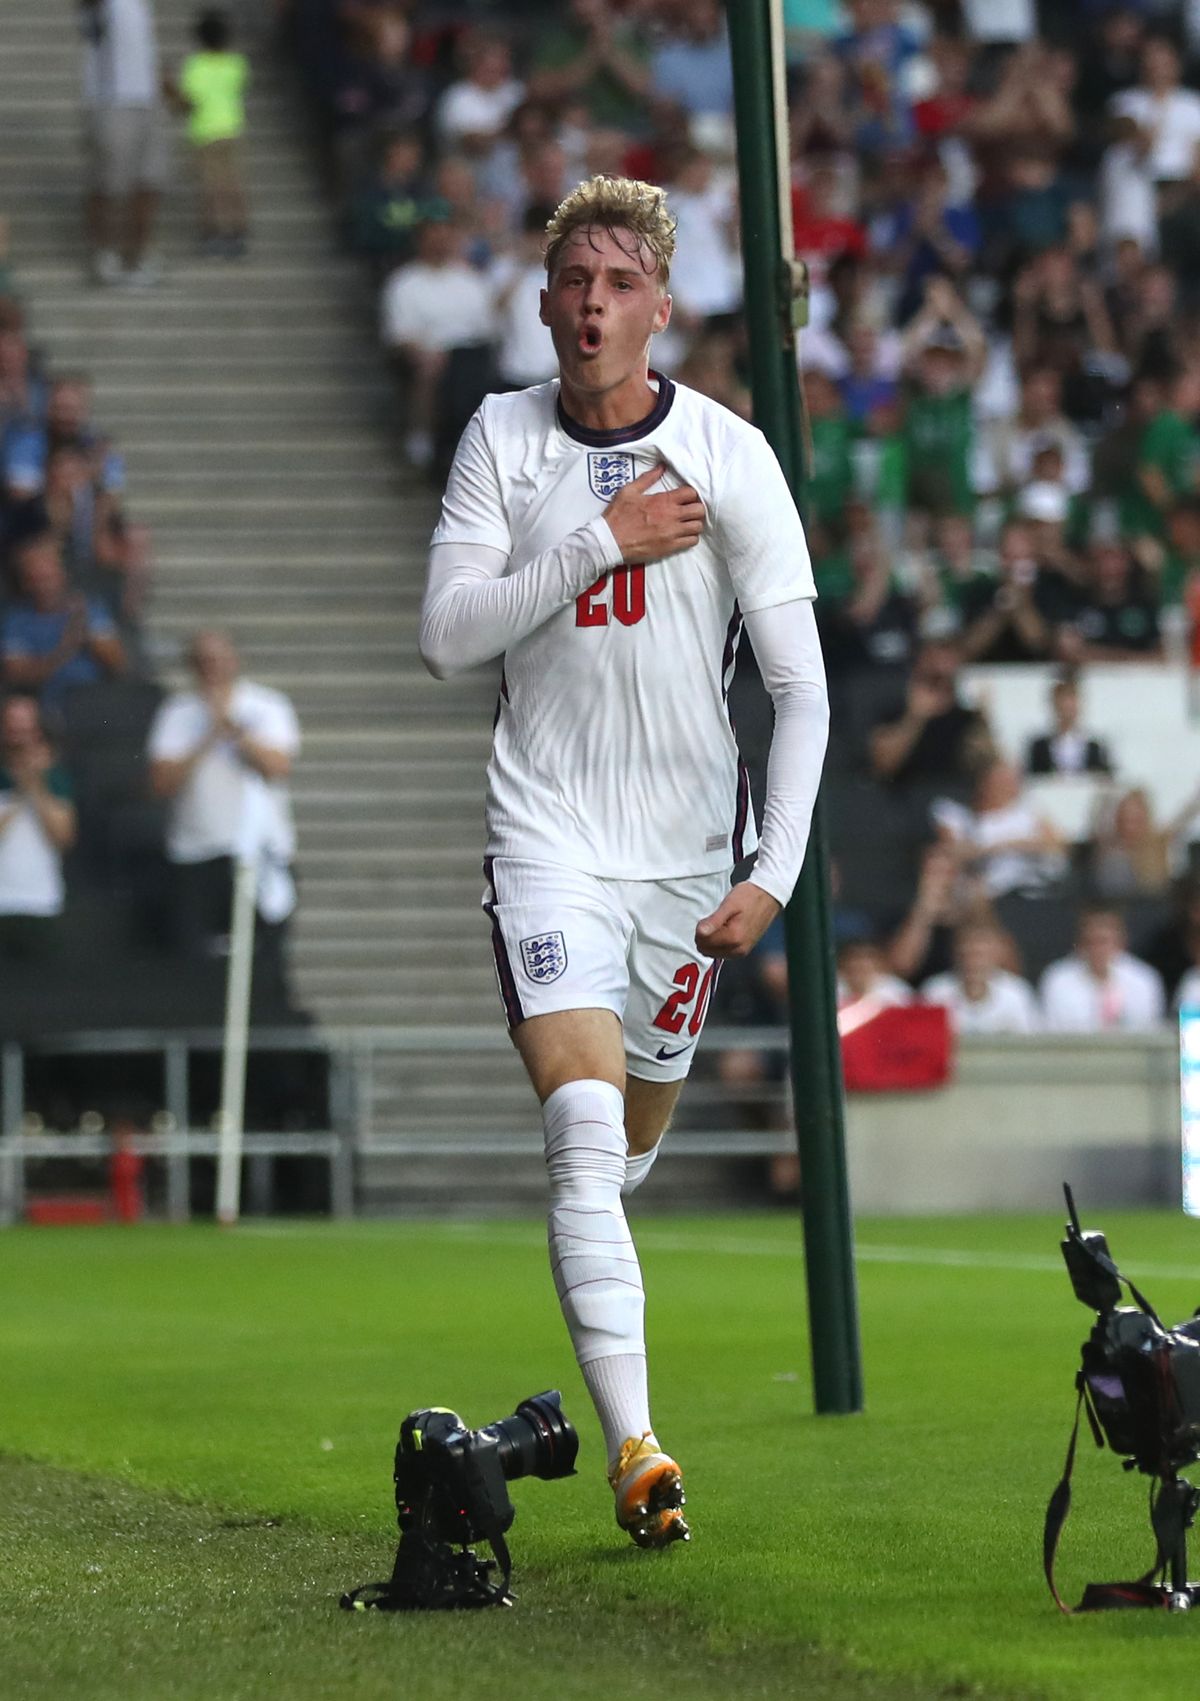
621	1398
637	1167
595	1266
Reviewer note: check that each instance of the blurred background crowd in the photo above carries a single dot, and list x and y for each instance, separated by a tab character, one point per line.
998	202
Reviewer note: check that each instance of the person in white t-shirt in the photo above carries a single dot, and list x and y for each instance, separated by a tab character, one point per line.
525	349
434	304
37	826
221	755
126	136
1001	840
1101	988
1163	117
609	534
473	112
980	995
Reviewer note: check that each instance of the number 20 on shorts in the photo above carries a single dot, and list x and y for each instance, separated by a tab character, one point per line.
628	600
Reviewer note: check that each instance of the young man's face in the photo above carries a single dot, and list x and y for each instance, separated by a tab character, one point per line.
603	302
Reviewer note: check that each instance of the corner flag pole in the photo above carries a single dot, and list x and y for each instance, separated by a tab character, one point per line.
236	1038
774	288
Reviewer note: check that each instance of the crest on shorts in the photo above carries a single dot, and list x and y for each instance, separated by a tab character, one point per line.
608	470
544	957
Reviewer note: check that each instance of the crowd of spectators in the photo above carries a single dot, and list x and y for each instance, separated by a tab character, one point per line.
999	209
98	777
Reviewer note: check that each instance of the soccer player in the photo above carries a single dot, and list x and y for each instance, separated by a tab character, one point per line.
608	533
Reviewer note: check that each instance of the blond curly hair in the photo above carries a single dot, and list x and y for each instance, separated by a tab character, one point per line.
615	204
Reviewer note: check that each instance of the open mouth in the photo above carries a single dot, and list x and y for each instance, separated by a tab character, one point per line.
591	339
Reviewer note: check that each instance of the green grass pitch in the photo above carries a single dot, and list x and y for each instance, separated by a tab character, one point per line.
196	1431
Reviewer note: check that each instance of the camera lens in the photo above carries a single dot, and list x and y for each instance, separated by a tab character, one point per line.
537	1441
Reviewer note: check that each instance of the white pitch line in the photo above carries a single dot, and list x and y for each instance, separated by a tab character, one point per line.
931	1257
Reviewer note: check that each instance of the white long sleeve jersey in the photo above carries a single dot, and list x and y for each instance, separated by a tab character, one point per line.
613	749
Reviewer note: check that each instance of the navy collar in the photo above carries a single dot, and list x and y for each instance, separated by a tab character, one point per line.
623	433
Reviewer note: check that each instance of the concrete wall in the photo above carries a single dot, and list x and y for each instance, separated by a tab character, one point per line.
1022	1117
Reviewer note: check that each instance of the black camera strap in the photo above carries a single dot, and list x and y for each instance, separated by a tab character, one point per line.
1096	1595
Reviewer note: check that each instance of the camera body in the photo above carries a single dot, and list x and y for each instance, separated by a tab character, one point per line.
451	1486
1144	1385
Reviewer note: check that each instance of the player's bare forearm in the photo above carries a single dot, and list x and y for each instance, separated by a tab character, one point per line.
738	923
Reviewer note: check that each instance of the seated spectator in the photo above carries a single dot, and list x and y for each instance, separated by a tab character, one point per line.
1118	621
1175	943
864	981
944	353
706	273
51	637
1067	749
933	735
1167	466
952	573
37	826
1177	566
387	209
830	482
1017	616
923	944
1132	857
1005	462
873	622
435	304
711	367
474	111
525	351
221	756
1100	988
981	996
1001	841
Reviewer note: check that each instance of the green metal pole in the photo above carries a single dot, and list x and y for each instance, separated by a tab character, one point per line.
816	1056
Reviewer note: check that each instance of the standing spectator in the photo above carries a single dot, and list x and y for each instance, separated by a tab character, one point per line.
1159	117
597	56
126	136
52	638
212	91
934	736
1101	988
982	996
1001	841
1067	749
37	825
434	305
691	67
221	755
944	353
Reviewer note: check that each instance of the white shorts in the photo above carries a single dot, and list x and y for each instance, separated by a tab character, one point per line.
569	941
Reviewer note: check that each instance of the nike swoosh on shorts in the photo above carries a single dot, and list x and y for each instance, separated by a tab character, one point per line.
664	1055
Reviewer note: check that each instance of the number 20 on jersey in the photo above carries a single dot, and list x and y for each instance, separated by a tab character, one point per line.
626	605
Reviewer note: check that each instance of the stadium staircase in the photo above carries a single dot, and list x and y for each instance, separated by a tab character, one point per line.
256	422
